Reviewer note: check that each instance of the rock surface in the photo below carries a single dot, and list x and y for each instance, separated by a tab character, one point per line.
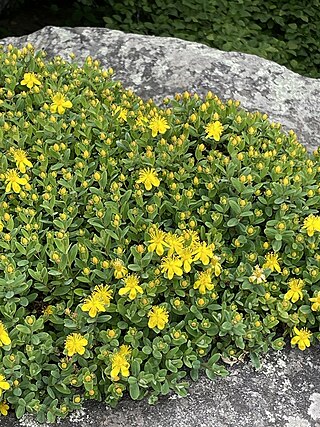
157	67
286	391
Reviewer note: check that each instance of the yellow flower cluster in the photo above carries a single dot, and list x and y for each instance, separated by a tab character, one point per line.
131	287
30	80
75	344
301	337
272	262
120	362
204	282
98	300
4	385
120	270
4	408
21	159
4	336
214	130
157	125
182	251
12	178
295	290
311	224
158	317
149	178
315	302
59	103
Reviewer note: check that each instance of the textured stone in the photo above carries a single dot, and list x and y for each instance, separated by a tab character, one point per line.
157	67
286	391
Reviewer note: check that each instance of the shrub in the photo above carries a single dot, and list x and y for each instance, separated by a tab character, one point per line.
287	33
143	244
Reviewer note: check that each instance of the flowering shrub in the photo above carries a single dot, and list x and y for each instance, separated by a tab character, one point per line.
141	244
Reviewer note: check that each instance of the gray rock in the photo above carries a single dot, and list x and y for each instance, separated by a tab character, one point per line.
286	391
156	67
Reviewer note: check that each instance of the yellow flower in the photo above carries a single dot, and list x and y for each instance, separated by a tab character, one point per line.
302	338
93	304
4	337
141	120
214	130
311	224
215	262
295	291
75	343
119	365
149	178
29	80
157	241
59	103
48	310
158	125
203	253
272	262
14	181
4	385
186	256
171	266
119	269
203	283
21	160
122	113
258	275
4	408
104	293
174	243
131	286
125	351
158	317
316	302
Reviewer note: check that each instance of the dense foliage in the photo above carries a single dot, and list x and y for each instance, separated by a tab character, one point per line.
141	244
285	32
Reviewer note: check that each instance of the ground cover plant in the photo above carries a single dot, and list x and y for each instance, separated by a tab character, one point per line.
142	245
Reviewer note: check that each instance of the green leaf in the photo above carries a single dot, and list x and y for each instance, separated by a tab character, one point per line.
72	253
21	409
254	357
232	222
134	267
34	369
62	388
235	207
226	326
51	392
135	367
211	374
24	329
134	391
276	245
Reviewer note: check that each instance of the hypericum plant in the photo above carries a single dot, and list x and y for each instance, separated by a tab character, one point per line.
141	244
